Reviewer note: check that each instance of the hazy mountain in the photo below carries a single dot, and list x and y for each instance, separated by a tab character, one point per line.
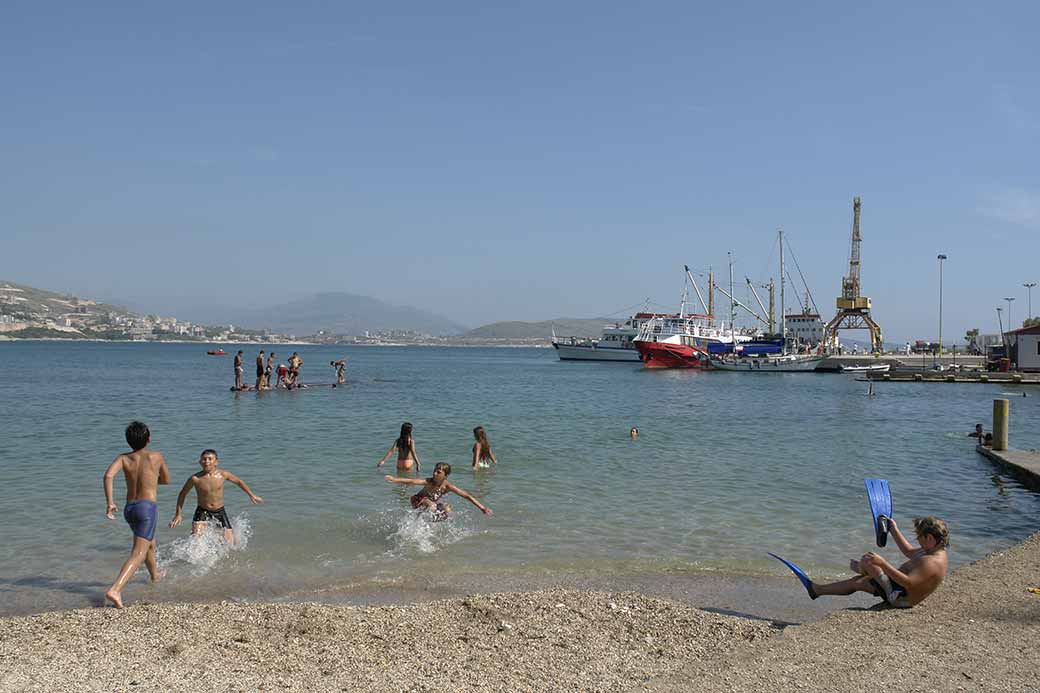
565	327
343	313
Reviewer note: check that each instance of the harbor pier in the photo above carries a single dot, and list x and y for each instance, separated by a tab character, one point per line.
1022	464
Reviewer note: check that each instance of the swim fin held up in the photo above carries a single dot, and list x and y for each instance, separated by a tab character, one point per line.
800	574
880	507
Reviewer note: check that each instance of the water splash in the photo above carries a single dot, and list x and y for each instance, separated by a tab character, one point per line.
412	532
201	552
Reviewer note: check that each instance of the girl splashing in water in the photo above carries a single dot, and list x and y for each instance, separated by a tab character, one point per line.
405	447
433	489
482	455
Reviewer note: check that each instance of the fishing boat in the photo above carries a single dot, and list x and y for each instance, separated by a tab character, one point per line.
684	340
615	344
784	362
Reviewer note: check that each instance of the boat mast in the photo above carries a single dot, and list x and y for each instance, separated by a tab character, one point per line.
695	288
711	293
783	315
732	306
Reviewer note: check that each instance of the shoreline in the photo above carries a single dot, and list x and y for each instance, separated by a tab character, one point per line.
976	631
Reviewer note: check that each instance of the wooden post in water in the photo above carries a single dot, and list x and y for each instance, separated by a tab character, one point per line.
1001	409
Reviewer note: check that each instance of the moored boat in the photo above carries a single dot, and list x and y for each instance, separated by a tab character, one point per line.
787	363
866	368
216	352
615	344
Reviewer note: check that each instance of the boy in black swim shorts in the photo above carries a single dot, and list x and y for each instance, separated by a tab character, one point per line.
209	487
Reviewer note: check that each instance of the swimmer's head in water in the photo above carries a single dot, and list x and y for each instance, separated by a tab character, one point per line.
137	435
441	467
208	459
634	433
932	527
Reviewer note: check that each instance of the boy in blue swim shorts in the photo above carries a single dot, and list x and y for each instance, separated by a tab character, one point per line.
144	470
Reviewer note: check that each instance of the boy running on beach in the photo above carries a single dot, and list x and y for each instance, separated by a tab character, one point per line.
433	489
143	469
910	583
209	487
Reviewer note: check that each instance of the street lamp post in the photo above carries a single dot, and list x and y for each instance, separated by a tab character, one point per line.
1029	289
1011	324
940	257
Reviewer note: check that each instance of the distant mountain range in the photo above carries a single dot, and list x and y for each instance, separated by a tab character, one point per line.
564	327
343	313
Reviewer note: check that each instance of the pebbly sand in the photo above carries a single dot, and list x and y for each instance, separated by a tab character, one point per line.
979	632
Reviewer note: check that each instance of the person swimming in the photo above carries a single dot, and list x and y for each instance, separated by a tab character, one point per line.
405	447
433	489
482	455
634	433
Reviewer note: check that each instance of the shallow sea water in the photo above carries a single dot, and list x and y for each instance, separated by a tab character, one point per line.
727	466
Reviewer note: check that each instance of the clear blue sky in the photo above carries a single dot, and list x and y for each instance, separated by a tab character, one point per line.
523	160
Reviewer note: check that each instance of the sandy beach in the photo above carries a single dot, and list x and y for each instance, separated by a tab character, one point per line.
978	632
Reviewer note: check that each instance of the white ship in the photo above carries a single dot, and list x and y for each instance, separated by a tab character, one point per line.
615	344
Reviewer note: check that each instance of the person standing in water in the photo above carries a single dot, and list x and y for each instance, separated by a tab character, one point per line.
144	470
268	369
238	370
260	370
482	455
405	447
341	370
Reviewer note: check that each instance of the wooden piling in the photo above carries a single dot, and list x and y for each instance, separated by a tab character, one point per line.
1001	411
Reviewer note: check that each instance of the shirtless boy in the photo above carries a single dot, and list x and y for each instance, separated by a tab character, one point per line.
209	488
238	370
433	489
268	370
143	469
910	583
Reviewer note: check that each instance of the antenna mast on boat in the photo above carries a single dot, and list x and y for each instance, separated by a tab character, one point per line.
783	315
711	293
695	288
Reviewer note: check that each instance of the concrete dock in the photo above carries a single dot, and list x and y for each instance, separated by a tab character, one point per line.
1022	464
955	377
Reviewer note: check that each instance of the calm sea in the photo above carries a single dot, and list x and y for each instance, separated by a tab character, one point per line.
728	466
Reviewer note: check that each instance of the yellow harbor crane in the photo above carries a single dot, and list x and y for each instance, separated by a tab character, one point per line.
853	309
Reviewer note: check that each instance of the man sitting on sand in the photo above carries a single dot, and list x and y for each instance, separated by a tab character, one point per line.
209	487
910	583
144	469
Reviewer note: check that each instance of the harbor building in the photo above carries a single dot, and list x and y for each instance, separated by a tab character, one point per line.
1025	348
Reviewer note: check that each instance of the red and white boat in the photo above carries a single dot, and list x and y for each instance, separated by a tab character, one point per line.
681	341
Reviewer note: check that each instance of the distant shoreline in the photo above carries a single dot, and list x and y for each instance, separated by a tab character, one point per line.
293	343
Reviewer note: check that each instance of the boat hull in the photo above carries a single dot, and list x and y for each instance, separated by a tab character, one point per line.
591	352
768	365
664	355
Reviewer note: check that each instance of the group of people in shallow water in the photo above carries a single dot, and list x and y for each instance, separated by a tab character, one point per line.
285	375
144	470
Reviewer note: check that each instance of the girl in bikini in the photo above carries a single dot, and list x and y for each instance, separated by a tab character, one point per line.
433	489
405	447
482	455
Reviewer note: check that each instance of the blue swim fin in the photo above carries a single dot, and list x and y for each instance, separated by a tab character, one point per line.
800	574
880	505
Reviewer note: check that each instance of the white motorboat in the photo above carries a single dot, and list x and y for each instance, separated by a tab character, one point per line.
866	368
615	344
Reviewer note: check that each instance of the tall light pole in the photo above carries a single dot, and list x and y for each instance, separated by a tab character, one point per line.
1011	324
1029	288
940	257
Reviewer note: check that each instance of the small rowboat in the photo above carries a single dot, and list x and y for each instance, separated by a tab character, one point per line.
216	352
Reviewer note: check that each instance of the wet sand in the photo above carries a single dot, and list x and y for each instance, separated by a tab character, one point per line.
977	633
